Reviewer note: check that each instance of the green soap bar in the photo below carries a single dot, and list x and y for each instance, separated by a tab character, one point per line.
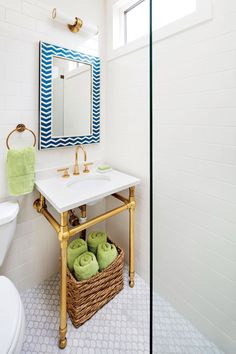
104	167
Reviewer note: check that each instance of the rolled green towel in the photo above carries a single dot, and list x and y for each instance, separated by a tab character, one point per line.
85	266
106	254
94	239
74	250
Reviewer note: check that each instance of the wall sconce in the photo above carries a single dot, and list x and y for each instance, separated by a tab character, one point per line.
78	25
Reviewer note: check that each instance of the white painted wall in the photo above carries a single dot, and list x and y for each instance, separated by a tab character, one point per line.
195	162
127	141
34	252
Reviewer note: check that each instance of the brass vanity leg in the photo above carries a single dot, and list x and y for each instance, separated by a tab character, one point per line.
83	210
131	236
63	237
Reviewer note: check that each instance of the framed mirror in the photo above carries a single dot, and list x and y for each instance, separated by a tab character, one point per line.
69	97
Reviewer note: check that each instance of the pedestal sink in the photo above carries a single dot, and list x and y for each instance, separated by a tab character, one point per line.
68	193
71	192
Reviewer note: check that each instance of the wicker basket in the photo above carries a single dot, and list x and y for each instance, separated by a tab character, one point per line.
86	297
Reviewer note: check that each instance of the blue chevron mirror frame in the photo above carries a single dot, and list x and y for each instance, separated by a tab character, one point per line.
48	139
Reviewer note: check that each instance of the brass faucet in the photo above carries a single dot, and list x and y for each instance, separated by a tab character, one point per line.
76	165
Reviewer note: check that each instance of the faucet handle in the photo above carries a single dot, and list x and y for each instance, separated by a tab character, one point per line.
86	169
66	172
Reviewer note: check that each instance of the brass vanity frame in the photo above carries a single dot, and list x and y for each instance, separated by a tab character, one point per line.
65	233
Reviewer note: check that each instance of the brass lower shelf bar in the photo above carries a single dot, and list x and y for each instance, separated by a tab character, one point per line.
98	219
87	224
121	198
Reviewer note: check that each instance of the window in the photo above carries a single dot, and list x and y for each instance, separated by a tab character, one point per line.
131	17
136	20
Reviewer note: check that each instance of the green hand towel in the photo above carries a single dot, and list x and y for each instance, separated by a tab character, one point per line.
85	266
106	254
74	250
94	239
21	171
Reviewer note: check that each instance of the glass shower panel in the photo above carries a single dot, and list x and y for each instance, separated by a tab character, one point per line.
193	179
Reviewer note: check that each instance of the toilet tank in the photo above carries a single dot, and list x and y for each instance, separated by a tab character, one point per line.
8	217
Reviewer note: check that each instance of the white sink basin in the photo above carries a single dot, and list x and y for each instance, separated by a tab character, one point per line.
69	193
89	182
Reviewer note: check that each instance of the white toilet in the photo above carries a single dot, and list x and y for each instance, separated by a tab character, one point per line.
12	317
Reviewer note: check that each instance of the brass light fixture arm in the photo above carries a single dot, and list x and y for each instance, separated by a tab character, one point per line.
76	26
73	28
65	233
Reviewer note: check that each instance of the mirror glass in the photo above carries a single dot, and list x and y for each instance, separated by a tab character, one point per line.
72	98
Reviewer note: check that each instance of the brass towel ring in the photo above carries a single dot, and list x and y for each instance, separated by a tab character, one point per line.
20	128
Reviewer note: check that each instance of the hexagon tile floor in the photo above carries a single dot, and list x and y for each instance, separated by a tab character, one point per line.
120	327
173	334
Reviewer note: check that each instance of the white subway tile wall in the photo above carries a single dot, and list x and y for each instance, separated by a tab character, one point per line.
127	144
195	173
33	255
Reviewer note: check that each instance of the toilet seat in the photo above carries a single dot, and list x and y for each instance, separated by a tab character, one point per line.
12	318
8	212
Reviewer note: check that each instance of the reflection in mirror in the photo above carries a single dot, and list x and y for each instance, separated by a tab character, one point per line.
72	98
